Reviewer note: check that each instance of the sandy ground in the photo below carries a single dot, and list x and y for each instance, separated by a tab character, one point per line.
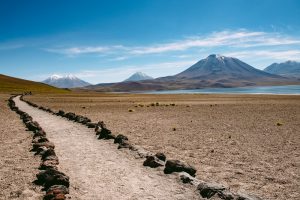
97	170
18	165
230	139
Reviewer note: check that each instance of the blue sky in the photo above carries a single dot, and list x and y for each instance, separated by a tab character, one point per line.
108	40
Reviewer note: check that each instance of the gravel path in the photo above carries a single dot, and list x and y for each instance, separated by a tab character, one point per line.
97	170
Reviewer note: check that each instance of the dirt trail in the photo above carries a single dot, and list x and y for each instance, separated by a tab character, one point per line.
97	170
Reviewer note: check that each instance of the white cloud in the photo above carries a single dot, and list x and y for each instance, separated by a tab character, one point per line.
274	55
238	39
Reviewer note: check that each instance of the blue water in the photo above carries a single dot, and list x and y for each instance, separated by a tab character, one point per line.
287	89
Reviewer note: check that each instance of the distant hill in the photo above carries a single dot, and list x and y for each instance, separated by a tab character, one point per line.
289	68
11	85
138	76
68	81
214	71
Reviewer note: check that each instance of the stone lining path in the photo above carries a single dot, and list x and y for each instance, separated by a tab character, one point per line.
97	170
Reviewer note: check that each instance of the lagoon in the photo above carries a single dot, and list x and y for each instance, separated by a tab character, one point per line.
286	89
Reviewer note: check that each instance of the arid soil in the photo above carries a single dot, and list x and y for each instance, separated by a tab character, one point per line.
248	142
18	165
97	170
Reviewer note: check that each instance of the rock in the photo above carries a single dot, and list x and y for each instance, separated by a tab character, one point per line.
120	138
97	129
82	119
91	125
52	177
178	166
101	124
49	164
49	153
56	192
141	152
185	177
124	144
161	156
207	190
39	133
61	113
153	162
33	126
39	139
70	116
226	195
105	134
41	150
27	119
49	110
48	145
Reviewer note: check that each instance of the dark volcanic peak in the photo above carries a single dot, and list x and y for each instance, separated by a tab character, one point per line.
68	81
215	66
138	76
289	68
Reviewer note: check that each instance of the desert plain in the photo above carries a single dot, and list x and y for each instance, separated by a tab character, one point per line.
249	143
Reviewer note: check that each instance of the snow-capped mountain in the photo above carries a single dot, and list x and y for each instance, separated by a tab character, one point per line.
289	68
138	76
217	66
67	81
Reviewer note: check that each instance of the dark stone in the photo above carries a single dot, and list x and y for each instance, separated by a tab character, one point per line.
48	145
52	177
49	153
40	139
120	138
124	144
226	195
49	164
39	133
153	162
105	134
178	166
56	192
61	113
91	125
101	124
207	190
33	126
186	178
161	156
70	116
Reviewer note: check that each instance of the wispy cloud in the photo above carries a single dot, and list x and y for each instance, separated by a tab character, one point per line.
235	39
73	51
274	55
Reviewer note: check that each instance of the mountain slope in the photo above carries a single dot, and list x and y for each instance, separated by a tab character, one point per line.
289	68
213	71
68	81
217	66
11	84
138	76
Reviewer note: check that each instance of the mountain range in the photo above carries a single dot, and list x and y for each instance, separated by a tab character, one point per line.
68	81
289	69
213	71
